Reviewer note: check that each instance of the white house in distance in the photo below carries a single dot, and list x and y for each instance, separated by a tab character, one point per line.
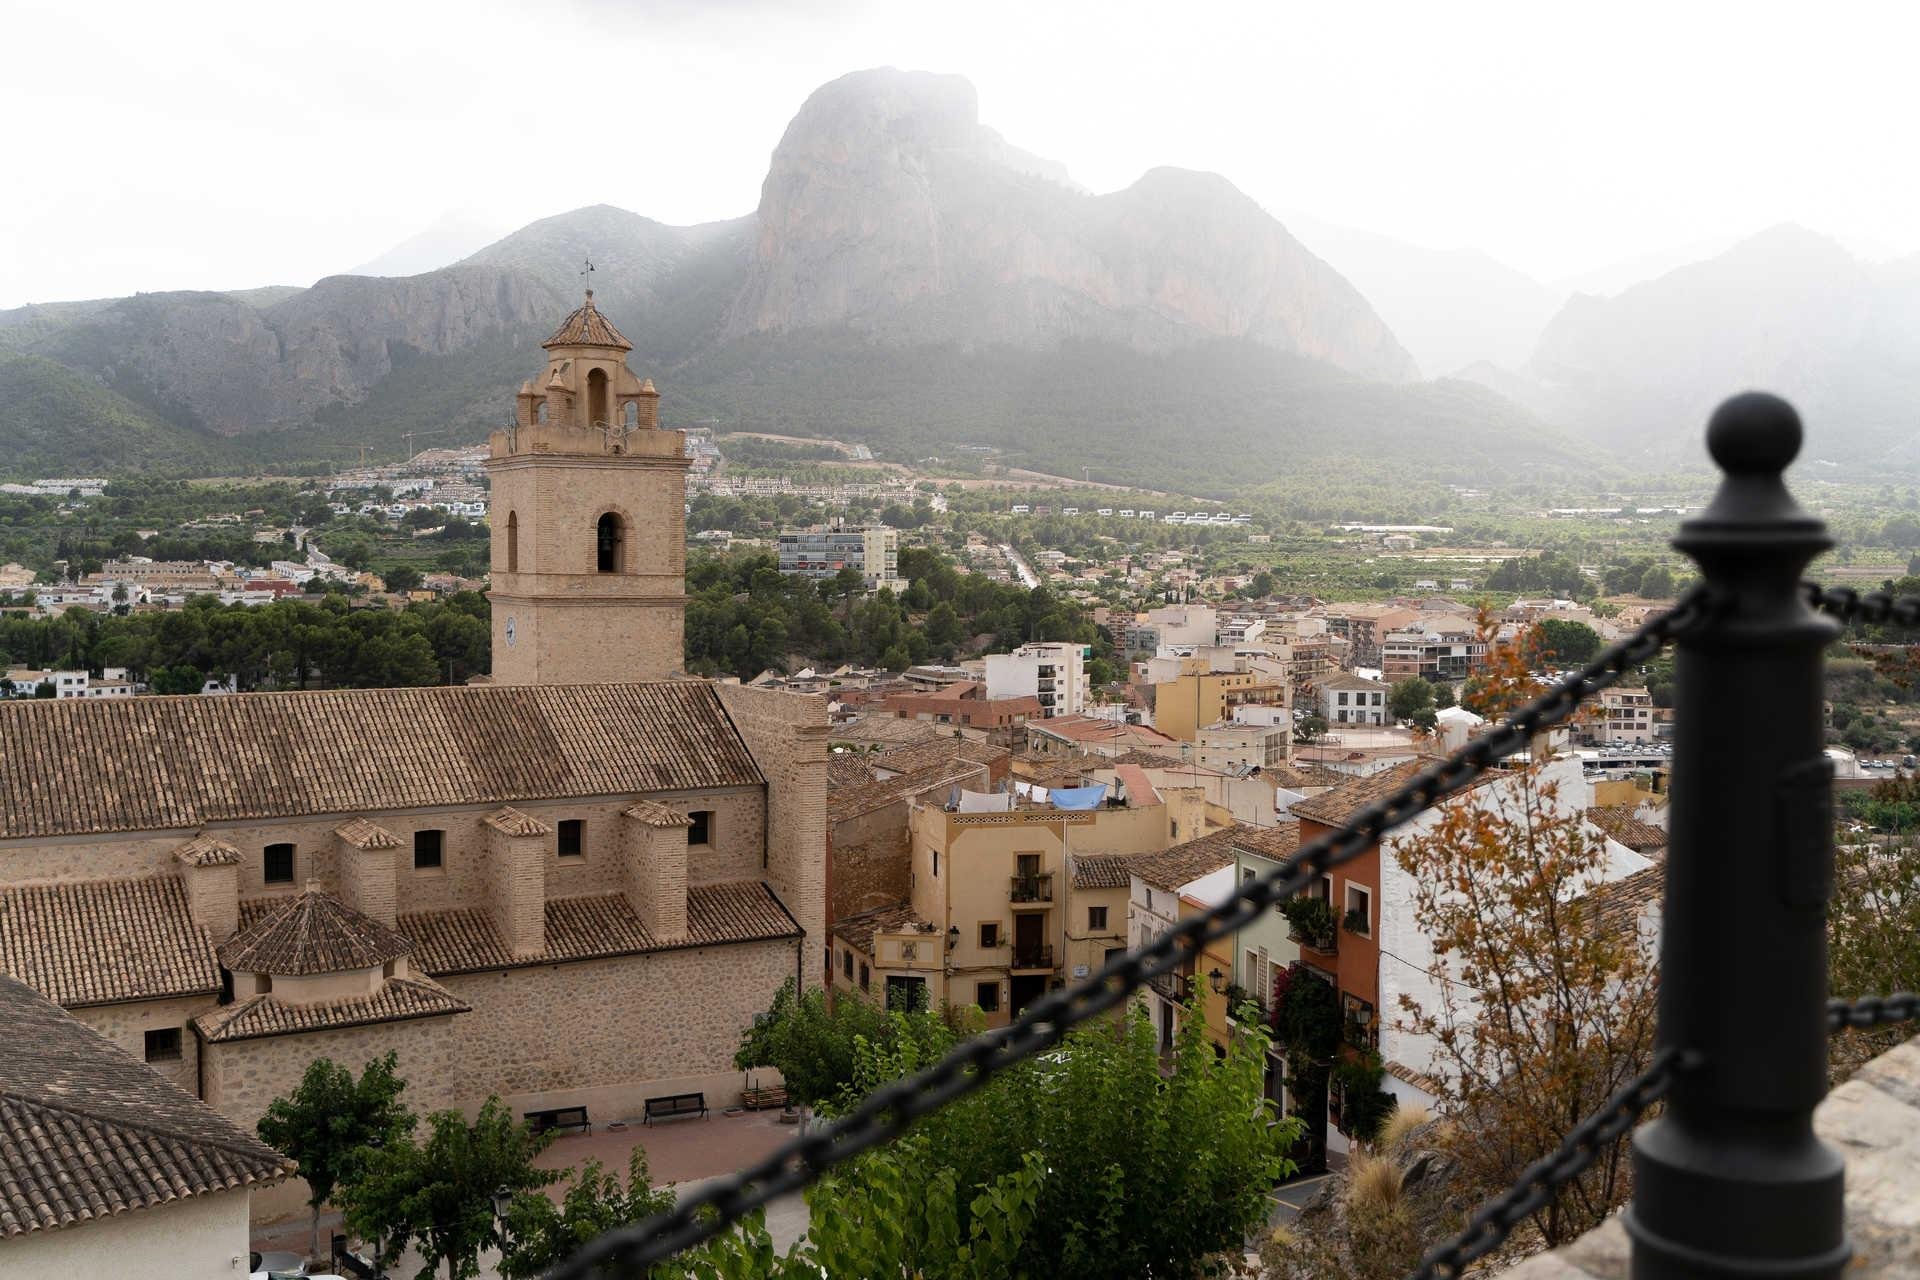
1056	674
111	1170
1351	699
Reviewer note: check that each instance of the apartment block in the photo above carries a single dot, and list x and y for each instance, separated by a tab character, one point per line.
822	551
1054	674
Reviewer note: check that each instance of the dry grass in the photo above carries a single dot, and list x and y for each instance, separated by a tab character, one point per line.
1402	1122
1375	1184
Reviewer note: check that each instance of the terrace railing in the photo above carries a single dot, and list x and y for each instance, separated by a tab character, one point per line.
1730	1179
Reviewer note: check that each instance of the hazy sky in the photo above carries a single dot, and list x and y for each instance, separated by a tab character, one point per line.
183	145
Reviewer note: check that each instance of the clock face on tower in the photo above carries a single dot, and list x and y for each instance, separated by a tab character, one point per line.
510	632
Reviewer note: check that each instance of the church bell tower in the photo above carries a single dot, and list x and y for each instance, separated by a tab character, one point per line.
588	510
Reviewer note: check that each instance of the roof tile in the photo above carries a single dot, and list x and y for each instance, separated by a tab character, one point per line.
313	933
398	1000
104	941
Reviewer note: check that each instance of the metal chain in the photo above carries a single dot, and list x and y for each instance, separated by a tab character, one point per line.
885	1113
1537	1187
1875	607
1873	1011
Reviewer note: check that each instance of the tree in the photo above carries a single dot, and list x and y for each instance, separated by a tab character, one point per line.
1657	584
1544	1009
1564	643
1309	728
810	1040
401	578
540	1234
330	1120
1408	697
1873	924
1442	696
438	1195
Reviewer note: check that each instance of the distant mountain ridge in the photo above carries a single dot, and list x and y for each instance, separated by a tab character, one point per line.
895	236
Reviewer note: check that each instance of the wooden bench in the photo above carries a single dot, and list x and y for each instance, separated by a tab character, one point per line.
763	1099
559	1118
676	1104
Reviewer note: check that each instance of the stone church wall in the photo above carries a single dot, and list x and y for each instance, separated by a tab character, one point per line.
787	734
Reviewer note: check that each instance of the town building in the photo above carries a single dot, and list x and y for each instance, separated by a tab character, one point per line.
1074	735
822	551
113	682
569	887
1054	674
111	1169
1364	626
1620	715
965	705
1437	647
1190	693
1230	747
1351	699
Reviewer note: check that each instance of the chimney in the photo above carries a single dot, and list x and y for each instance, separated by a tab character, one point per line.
368	870
211	873
656	868
517	847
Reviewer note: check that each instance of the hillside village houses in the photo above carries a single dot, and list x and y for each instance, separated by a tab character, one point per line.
572	885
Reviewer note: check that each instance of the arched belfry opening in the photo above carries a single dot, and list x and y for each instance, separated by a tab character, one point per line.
610	543
630	415
597	414
513	542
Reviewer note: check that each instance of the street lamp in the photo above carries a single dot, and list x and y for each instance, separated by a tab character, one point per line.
502	1200
1217	981
953	936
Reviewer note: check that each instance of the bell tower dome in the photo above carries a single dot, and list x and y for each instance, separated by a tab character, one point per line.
588	510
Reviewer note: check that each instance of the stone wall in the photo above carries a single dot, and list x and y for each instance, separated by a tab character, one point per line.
127	1024
606	1034
870	863
787	734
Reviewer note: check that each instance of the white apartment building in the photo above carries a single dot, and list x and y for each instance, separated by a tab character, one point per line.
112	683
1623	715
1056	674
1351	699
824	550
1234	747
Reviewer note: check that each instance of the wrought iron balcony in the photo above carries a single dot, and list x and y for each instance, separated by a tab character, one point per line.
1033	956
1031	889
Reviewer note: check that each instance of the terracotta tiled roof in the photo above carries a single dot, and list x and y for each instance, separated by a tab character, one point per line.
80	765
104	941
1140	792
398	1000
924	755
509	821
848	768
858	931
1295	778
1420	1080
850	802
586	327
87	1132
1089	729
1336	806
1347	680
362	834
1618	822
313	933
655	814
207	851
1102	871
1183	863
465	940
1149	760
1618	905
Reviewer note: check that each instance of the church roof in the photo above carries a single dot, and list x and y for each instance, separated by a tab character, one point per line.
84	766
586	327
208	851
509	821
398	1000
105	941
88	1132
362	834
466	940
313	933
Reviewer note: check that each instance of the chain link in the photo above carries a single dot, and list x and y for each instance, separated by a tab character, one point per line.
885	1113
1875	607
1873	1011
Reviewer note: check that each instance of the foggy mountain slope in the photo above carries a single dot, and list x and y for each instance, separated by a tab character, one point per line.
1787	310
1451	307
909	277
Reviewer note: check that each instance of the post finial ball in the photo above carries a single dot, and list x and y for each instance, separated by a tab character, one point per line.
1754	434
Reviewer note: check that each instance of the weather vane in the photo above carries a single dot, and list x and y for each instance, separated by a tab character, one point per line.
588	271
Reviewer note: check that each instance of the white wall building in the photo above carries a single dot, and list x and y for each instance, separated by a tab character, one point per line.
1350	699
1054	673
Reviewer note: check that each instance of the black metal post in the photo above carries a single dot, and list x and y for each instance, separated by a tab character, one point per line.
1731	1181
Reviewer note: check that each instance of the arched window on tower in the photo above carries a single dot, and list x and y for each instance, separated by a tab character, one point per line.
513	542
631	414
597	414
610	542
540	413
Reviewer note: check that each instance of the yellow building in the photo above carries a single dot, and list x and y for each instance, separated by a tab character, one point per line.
1005	905
1199	696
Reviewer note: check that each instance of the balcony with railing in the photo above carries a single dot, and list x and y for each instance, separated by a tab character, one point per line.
1032	955
1034	890
1311	924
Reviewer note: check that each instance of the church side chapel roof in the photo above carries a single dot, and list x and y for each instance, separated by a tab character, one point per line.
88	1132
105	941
362	834
313	933
207	851
466	940
655	814
85	766
509	821
398	1000
586	327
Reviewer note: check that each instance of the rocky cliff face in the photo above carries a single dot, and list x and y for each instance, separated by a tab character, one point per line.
888	207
